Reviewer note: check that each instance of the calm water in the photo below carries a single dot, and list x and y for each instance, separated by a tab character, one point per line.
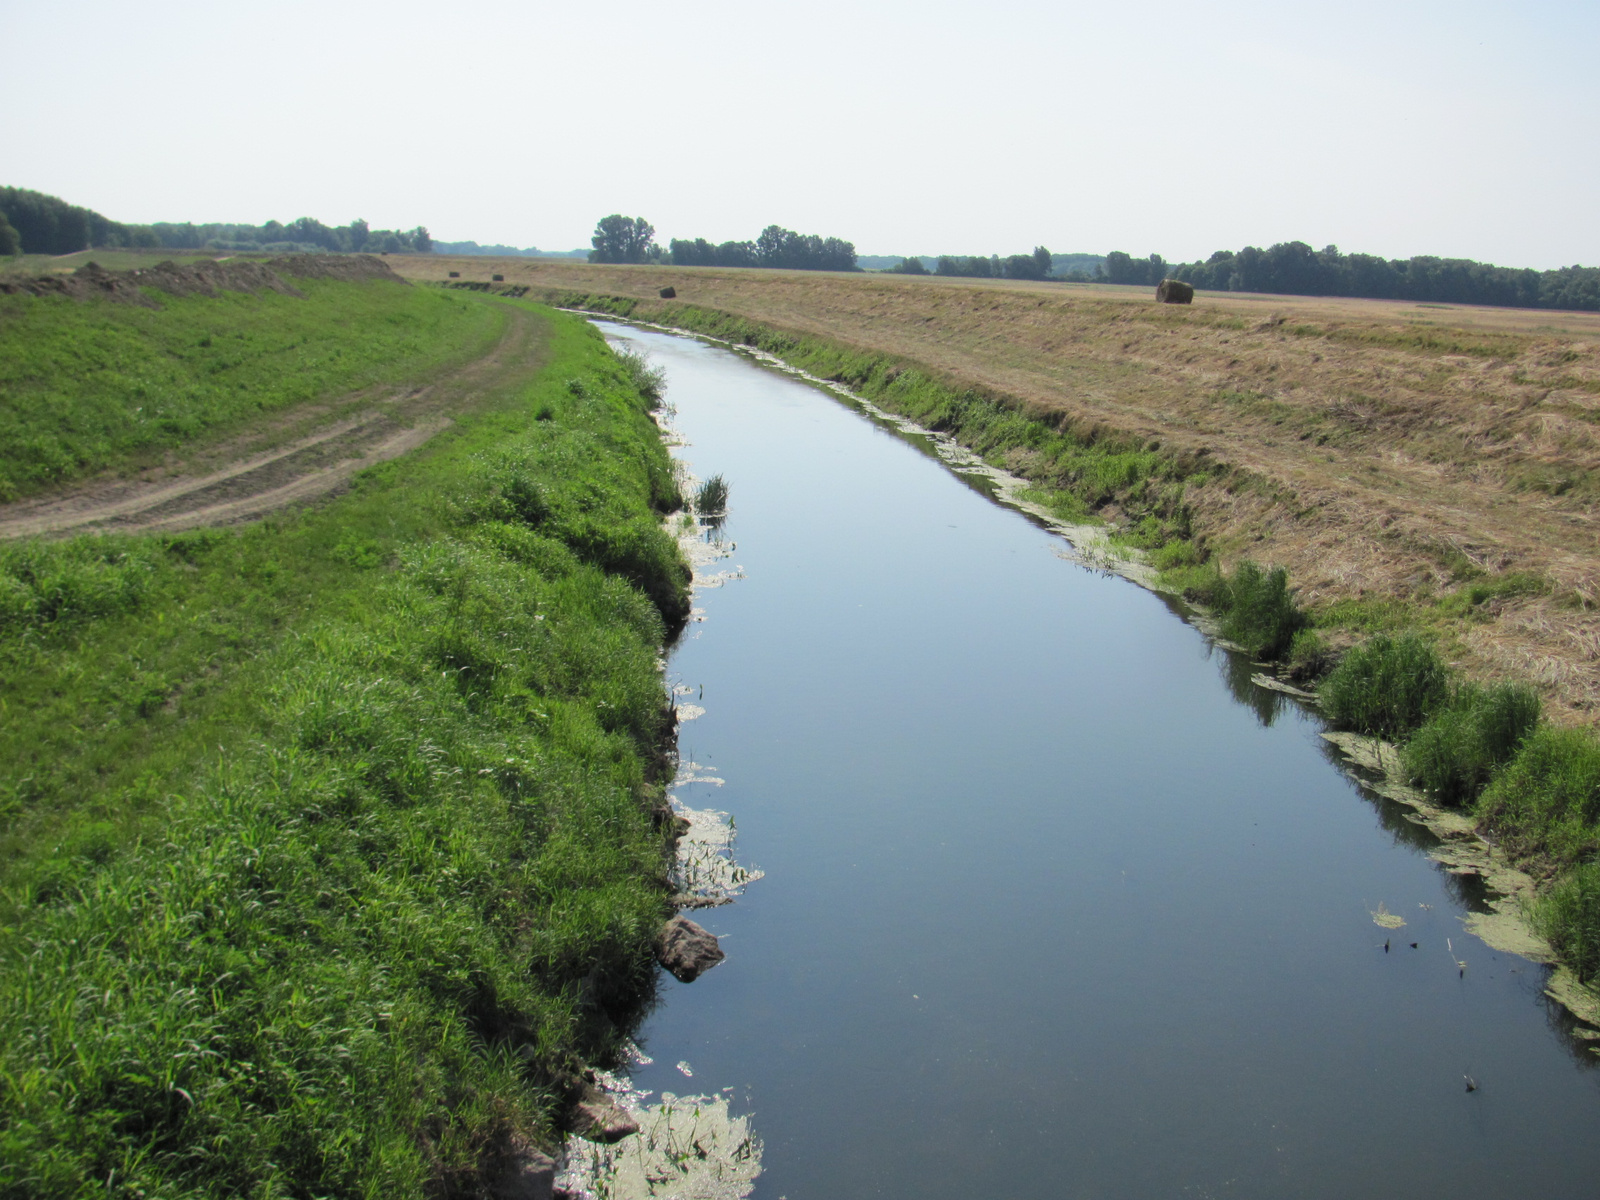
1048	910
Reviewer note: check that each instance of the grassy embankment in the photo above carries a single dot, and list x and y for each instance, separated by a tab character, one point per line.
330	843
95	386
1533	788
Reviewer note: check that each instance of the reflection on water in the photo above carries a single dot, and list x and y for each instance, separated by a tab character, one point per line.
1049	909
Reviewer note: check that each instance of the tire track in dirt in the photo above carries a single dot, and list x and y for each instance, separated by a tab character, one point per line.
252	483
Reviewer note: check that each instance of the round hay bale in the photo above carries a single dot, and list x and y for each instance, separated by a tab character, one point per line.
499	278
455	274
1174	291
669	293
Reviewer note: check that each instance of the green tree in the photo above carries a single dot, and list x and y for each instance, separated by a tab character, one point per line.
10	242
620	239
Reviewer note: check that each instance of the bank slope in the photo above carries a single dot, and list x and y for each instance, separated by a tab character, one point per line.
375	865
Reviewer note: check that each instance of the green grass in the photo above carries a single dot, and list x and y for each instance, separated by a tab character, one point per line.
1455	752
1569	917
1254	606
1546	801
91	386
329	843
1387	686
711	497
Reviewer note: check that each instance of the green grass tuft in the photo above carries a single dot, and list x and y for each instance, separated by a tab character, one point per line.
1455	752
1546	801
1568	916
1386	687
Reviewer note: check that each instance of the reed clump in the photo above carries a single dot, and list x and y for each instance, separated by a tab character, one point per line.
711	497
1568	916
1455	752
1254	606
1546	800
1386	687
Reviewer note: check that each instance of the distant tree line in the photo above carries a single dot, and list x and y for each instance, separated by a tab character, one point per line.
502	251
1016	266
1294	268
49	225
620	239
777	247
1076	268
305	234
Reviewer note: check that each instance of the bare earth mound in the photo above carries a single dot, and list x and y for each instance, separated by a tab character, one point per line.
1390	449
200	278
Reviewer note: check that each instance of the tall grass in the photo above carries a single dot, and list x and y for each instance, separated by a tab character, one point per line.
1546	801
1455	752
1254	606
1386	687
711	497
1259	612
650	382
1569	918
344	909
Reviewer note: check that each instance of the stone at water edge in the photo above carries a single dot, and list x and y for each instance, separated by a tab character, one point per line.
529	1176
598	1118
686	949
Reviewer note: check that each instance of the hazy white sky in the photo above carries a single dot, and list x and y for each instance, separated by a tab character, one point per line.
1400	127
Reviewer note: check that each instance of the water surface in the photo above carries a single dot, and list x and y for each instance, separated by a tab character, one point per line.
1048	911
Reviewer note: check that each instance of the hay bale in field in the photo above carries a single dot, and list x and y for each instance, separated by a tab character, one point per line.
499	278
1174	291
669	293
455	274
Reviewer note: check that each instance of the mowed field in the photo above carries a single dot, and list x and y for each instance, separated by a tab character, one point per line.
1390	455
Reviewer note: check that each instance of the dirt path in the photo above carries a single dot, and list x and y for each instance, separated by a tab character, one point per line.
256	472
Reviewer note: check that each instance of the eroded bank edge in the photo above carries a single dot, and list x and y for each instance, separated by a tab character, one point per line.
627	1145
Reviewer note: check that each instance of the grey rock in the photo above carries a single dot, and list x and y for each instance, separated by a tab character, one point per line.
598	1118
687	950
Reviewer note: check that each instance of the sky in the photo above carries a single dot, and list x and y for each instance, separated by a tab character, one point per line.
1461	128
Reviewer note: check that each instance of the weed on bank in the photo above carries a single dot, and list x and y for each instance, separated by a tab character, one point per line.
329	843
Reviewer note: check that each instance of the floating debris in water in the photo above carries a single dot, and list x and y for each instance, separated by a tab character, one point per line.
686	1068
687	1148
706	873
1381	916
689	712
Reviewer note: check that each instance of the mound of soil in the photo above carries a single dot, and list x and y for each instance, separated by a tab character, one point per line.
201	278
